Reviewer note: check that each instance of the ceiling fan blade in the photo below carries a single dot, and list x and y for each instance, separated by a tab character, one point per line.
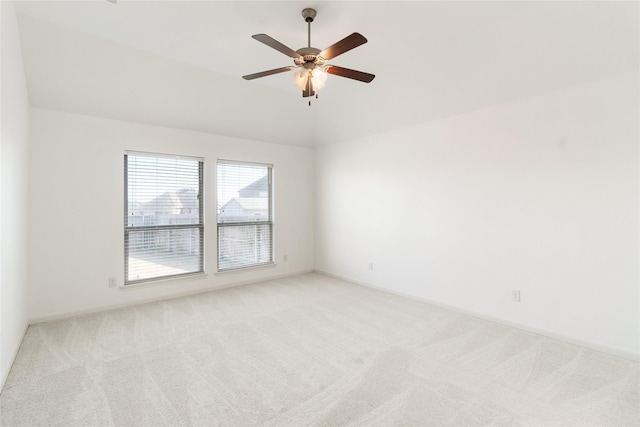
350	74
271	42
344	45
267	73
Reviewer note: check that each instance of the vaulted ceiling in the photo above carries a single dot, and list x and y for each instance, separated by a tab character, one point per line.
180	63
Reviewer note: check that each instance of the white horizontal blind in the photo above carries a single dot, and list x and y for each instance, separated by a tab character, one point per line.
164	233
245	220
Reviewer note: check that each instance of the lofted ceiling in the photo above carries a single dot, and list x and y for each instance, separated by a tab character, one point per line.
179	63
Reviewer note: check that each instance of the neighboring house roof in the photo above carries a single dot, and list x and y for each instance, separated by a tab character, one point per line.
258	188
188	198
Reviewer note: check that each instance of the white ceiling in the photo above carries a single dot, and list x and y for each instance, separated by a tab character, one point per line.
179	63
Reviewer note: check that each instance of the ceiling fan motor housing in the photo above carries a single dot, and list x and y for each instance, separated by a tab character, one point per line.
309	55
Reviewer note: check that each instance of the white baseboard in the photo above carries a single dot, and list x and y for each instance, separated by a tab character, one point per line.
593	346
5	375
98	309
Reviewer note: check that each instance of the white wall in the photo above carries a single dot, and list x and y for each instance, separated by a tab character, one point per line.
13	191
539	195
76	215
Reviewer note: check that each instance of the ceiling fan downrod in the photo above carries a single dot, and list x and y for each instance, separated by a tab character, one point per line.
309	15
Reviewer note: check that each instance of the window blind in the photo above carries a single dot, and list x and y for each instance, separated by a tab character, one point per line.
164	230
245	216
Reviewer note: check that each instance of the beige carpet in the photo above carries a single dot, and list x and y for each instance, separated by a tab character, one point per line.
308	350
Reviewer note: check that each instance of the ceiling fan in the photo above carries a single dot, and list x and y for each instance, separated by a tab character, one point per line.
311	63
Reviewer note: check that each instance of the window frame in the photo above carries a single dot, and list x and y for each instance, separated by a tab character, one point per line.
199	226
270	221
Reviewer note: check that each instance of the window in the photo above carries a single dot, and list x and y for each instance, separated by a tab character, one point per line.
163	226
245	217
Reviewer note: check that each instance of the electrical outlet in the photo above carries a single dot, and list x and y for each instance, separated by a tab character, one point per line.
515	296
113	282
370	266
285	258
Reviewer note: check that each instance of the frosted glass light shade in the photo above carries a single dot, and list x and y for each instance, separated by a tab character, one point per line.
300	77
318	78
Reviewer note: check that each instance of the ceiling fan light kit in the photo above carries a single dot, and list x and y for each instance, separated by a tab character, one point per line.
311	68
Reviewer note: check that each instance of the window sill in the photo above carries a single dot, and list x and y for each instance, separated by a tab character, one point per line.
166	281
241	269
